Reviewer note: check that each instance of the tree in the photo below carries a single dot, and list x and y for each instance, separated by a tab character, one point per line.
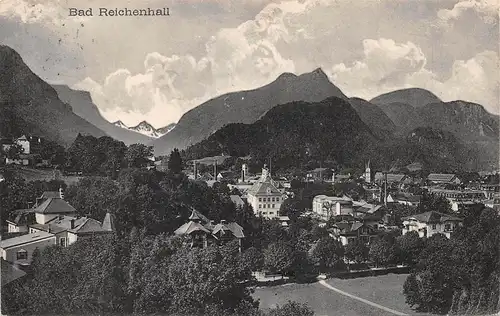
410	246
383	251
329	254
14	151
175	162
138	155
431	202
254	258
357	251
53	152
291	309
278	257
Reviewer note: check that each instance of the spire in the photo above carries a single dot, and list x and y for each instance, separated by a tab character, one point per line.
108	223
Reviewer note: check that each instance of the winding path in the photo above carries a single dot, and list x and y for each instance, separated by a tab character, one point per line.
328	286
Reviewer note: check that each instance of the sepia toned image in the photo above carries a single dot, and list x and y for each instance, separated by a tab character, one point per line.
249	157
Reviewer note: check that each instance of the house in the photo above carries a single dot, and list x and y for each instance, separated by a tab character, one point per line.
405	199
493	203
443	178
458	206
469	195
226	175
430	223
201	231
327	206
69	229
236	199
319	174
373	215
20	221
265	197
349	231
19	250
391	177
52	221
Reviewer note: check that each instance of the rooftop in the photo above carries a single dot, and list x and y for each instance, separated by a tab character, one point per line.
24	239
432	217
54	206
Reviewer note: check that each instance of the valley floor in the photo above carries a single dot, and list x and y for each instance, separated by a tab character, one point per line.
369	296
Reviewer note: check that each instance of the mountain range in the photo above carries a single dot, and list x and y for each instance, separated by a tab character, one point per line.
146	129
245	107
29	105
82	105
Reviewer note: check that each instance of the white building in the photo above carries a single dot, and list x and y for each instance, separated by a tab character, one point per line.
265	197
328	206
430	223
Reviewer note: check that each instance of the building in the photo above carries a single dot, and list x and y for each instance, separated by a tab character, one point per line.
326	207
265	197
391	177
319	174
368	173
443	178
405	199
430	223
52	221
201	232
469	195
19	250
349	231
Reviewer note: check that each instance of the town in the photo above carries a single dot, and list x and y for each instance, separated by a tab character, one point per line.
258	226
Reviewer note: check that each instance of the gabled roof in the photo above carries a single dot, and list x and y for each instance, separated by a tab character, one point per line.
236	200
432	217
260	188
24	239
233	228
21	217
54	206
441	177
50	194
189	228
391	177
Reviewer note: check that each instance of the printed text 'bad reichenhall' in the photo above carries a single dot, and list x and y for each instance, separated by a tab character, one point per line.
119	12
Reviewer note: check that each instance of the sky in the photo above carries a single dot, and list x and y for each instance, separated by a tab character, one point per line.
157	68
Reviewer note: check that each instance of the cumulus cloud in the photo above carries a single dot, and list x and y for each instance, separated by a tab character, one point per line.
387	66
486	9
367	47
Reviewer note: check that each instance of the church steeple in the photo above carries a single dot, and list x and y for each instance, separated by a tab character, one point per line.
368	172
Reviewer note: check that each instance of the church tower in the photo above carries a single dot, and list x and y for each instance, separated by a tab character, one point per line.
368	173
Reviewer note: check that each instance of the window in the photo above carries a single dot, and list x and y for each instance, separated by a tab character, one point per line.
434	226
62	242
273	205
269	199
260	199
272	199
264	213
260	205
22	254
271	213
447	227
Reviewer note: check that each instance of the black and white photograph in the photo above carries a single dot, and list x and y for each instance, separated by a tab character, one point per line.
249	157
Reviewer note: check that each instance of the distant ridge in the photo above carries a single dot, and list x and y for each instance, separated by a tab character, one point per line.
415	97
246	107
29	105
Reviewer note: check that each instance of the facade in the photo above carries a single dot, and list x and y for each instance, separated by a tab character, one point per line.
349	231
326	207
430	223
265	197
459	194
19	250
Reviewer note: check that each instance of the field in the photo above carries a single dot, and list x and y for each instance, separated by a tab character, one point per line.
45	174
385	291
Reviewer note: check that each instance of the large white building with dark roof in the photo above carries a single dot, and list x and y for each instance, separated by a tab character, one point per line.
265	197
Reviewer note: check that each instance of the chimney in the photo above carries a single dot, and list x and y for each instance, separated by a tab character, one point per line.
223	221
61	194
72	223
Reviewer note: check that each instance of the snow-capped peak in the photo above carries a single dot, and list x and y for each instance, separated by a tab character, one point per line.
147	129
120	124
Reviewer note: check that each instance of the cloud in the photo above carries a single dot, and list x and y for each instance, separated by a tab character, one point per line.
387	66
208	48
486	9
